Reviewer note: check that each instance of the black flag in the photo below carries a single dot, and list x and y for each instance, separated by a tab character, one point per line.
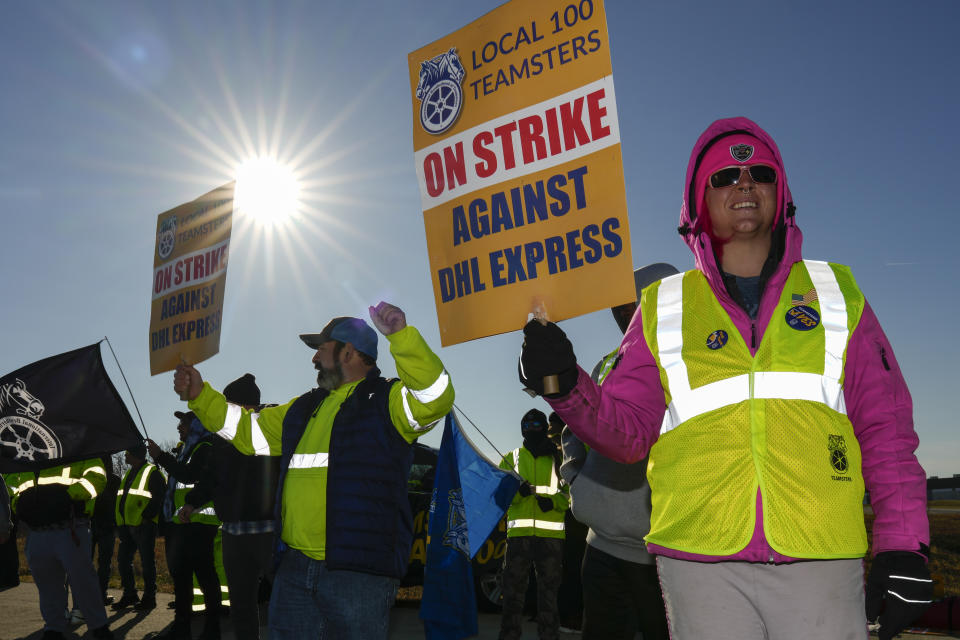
62	409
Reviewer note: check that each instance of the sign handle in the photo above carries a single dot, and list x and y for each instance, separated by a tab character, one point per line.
551	383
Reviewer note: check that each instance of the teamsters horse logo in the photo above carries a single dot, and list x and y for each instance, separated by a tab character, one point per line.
166	237
21	432
439	92
838	453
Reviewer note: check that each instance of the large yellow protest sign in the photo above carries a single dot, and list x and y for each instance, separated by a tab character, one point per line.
517	151
189	276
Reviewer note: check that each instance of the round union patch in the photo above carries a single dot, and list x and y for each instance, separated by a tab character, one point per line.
717	339
802	318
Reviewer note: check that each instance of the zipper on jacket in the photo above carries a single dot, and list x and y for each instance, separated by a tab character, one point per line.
883	358
753	334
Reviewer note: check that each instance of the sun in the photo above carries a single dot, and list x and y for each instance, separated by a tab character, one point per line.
268	191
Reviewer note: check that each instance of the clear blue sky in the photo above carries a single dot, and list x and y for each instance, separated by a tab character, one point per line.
113	112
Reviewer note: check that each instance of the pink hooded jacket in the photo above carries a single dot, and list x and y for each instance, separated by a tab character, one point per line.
622	419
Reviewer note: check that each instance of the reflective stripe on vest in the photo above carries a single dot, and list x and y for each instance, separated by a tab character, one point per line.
687	403
232	421
536	524
309	460
87	484
424	396
64	479
554	485
138	496
141	488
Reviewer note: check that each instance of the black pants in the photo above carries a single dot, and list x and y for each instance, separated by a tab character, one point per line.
246	559
570	596
546	556
621	598
189	551
140	539
102	550
9	562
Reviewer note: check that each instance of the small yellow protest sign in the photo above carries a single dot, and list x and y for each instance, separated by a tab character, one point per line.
517	152
189	276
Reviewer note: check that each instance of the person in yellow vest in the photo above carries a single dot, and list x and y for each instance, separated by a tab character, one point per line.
51	503
621	590
346	447
244	499
768	399
535	530
191	527
138	503
102	534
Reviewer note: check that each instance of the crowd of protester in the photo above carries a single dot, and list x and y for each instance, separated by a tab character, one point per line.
717	461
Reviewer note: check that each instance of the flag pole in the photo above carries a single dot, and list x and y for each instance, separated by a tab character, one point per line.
478	429
123	375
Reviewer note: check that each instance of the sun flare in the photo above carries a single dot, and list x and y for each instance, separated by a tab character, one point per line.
267	191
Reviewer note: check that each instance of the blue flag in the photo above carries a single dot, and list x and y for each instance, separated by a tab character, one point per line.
470	495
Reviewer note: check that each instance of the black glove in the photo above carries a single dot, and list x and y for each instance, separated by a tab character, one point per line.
525	489
545	503
546	351
899	584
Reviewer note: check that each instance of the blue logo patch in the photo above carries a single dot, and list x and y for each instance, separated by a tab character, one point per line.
802	318
439	92
717	339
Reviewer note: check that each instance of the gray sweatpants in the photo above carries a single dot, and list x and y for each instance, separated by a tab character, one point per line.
756	601
54	555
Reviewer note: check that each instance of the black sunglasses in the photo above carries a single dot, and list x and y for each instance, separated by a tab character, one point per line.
759	173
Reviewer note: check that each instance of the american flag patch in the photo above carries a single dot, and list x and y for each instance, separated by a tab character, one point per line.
807	298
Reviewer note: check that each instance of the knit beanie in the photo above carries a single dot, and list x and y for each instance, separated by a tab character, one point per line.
243	391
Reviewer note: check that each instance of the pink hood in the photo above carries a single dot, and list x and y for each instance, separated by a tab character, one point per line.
691	220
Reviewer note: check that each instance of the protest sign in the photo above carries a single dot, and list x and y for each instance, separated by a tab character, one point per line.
189	275
517	151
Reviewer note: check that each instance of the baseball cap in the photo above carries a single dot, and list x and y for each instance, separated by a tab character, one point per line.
345	329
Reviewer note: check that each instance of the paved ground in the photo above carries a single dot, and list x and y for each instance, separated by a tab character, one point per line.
20	620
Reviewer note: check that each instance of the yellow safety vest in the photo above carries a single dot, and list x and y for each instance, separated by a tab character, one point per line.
84	480
205	514
524	517
138	497
775	421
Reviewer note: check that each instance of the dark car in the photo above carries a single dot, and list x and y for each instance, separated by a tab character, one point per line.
488	562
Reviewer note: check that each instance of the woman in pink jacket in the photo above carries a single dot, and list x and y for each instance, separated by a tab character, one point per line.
768	398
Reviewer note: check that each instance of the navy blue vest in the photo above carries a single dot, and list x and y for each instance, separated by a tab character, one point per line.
369	525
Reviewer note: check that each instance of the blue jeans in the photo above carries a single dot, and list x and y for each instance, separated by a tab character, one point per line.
311	601
58	554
